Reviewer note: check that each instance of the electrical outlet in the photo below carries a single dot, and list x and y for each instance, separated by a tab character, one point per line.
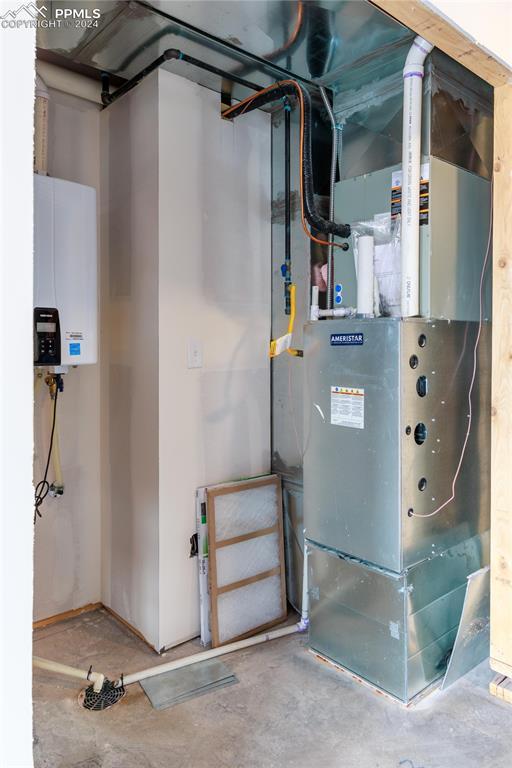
195	353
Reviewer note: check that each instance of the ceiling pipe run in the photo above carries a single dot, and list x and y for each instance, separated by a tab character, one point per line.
411	162
72	83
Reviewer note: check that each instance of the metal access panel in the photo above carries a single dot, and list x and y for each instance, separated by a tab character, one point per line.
385	419
454	236
394	630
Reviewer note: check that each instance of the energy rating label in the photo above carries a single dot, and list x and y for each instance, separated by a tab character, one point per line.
347	407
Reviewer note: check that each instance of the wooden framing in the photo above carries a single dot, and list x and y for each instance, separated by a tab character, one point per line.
501	462
501	687
424	20
214	545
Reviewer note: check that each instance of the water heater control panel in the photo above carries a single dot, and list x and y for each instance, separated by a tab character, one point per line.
46	336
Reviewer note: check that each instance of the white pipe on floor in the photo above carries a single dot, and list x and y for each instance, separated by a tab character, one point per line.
411	162
210	654
96	678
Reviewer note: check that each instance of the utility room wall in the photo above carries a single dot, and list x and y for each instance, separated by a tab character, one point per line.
186	223
214	319
67	569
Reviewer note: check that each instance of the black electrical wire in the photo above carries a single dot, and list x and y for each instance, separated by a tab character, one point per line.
43	487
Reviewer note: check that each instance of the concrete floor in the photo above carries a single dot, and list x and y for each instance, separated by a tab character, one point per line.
288	709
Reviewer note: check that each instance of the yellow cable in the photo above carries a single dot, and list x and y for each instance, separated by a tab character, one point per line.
57	468
274	344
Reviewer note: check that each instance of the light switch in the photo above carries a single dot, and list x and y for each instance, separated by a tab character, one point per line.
195	353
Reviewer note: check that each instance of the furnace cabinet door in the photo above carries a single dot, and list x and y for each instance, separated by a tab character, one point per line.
352	437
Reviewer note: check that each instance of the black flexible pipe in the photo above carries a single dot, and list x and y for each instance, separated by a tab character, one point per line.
196	34
287	210
168	55
110	98
279	91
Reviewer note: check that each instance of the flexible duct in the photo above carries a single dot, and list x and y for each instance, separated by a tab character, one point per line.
279	91
411	162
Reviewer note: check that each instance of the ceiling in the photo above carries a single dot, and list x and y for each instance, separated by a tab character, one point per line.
320	41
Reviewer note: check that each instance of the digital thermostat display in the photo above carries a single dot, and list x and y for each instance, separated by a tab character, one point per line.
46	327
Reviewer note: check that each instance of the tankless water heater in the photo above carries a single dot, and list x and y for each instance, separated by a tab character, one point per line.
65	273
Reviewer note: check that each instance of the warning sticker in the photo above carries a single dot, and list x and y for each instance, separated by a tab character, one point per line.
347	407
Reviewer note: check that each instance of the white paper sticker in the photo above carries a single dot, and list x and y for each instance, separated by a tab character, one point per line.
396	176
74	336
347	407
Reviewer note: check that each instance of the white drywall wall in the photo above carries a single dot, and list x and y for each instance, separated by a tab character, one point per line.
488	22
214	293
67	566
16	394
186	222
130	356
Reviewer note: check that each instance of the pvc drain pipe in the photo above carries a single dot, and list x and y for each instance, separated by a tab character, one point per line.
365	276
136	677
99	679
96	678
301	626
411	162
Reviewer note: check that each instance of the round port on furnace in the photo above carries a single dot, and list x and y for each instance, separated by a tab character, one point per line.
420	433
422	386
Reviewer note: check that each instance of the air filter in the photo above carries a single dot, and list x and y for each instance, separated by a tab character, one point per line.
246	558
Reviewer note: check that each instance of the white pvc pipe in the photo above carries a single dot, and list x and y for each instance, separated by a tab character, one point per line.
316	313
365	276
96	678
41	127
315	308
411	162
210	654
304	616
337	312
64	80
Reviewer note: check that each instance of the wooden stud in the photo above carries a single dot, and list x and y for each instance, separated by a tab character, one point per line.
430	24
501	687
501	412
